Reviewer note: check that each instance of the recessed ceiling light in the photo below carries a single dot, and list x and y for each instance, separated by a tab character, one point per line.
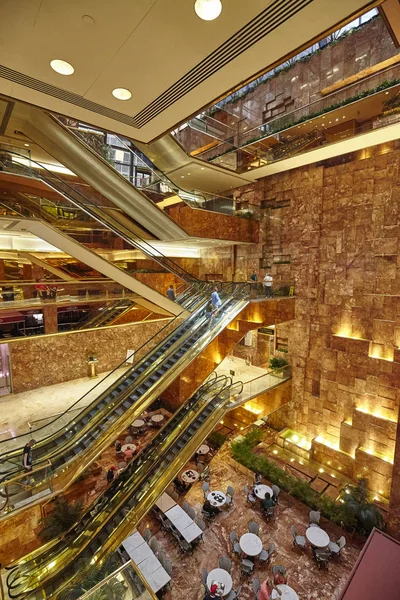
182	177
62	67
208	10
121	94
202	168
386	93
27	145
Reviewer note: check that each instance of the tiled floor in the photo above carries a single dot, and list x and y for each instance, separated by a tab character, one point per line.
16	410
304	576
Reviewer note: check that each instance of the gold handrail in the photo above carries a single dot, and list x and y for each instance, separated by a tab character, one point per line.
65	556
98	586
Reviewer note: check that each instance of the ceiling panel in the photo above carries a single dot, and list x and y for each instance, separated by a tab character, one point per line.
146	46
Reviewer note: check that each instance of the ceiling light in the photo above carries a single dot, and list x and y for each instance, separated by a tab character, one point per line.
202	168
121	94
386	93
27	145
208	10
62	67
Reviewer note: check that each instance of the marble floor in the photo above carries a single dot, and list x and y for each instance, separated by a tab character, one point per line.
304	577
34	407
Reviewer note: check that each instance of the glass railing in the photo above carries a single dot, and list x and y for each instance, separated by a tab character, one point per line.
97	225
126	583
291	129
115	514
260	384
155	185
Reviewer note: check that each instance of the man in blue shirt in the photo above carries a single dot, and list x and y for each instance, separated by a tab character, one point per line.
171	293
215	299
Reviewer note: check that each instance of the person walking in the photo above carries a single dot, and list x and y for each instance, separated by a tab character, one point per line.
267	283
27	455
171	293
215	300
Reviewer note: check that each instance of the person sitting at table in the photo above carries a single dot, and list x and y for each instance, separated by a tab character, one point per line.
128	453
210	509
212	593
266	590
280	578
268	502
180	485
257	478
118	447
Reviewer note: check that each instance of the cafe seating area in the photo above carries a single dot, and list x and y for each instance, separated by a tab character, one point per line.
239	546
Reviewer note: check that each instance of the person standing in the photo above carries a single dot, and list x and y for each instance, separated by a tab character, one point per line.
111	474
267	283
171	293
254	276
27	455
215	299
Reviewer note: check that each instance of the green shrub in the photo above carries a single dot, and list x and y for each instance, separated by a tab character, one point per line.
216	439
277	362
61	519
242	451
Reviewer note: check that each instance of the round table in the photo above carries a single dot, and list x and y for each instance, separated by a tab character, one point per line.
317	537
128	447
190	476
250	544
260	490
287	592
216	498
138	423
220	576
157	418
204	449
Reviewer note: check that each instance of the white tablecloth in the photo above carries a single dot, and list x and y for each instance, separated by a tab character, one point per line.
157	418
138	423
204	449
317	537
220	576
250	544
260	490
148	564
216	498
190	476
288	593
126	446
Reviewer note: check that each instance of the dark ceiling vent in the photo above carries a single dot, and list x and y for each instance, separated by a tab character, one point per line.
264	23
269	19
51	90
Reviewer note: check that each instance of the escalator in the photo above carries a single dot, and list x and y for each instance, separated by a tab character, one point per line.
91	207
112	517
107	314
73	443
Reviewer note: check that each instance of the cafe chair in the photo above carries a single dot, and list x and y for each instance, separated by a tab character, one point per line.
204	575
191	513
256	587
321	557
225	563
206	488
336	547
247	566
237	550
233	538
271	550
128	439
168	566
147	534
254	527
275	491
185	506
251	499
314	516
154	545
298	540
233	594
263	556
279	570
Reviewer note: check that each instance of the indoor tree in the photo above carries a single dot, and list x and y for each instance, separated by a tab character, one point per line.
360	509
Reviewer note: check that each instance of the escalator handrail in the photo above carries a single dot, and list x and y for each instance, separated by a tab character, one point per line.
120	365
123	393
131	238
146	457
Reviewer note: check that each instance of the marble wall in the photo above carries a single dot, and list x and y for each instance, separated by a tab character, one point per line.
42	361
332	229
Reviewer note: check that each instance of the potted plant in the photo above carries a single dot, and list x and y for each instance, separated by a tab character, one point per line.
277	365
358	508
61	519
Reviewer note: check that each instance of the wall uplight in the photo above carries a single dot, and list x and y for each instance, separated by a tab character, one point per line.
208	10
62	67
121	94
